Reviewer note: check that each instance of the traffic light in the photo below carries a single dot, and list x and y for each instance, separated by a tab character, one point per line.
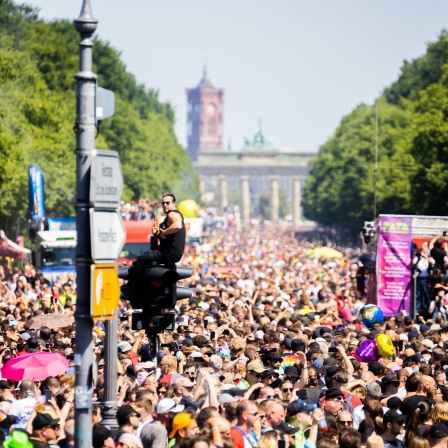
153	290
368	231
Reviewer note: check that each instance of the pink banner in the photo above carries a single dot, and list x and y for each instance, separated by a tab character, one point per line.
394	264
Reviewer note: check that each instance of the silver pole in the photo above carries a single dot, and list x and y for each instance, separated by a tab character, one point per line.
109	405
86	25
375	172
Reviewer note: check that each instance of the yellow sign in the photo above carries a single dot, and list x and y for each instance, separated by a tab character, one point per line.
104	290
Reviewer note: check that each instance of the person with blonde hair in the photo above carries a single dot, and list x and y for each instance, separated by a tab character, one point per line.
269	439
419	442
439	413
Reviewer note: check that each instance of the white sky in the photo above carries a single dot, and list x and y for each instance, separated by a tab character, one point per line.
300	65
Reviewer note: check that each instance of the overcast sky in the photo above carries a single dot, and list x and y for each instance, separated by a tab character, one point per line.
300	65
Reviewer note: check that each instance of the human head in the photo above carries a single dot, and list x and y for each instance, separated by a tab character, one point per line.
102	437
275	413
184	425
438	435
247	413
349	438
168	202
394	422
345	420
127	416
44	426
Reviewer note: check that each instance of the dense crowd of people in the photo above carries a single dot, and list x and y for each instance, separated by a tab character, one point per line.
263	355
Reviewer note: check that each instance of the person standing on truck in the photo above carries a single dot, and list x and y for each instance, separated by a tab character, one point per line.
168	241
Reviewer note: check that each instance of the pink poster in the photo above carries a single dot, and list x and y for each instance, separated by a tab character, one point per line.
394	264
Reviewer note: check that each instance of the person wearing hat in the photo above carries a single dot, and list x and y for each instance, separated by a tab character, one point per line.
438	435
155	435
394	425
183	388
102	437
127	440
44	427
18	439
390	385
128	420
184	425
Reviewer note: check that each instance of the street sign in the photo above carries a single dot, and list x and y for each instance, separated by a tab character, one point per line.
106	179
107	235
105	290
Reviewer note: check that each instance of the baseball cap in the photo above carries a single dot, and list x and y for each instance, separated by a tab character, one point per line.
291	371
144	365
168	405
333	392
227	398
255	366
181	421
412	335
99	435
297	345
297	406
393	416
286	343
438	431
286	428
124	347
131	440
390	379
428	343
126	411
183	382
43	420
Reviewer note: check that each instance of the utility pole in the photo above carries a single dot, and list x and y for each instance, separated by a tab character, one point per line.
86	25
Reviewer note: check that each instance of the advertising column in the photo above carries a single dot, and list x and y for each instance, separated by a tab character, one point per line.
394	264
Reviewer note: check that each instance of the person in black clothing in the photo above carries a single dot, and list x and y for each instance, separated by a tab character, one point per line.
167	242
438	253
44	426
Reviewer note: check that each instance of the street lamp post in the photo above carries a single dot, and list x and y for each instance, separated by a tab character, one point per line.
86	25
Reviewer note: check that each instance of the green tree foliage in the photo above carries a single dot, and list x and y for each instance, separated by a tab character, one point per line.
38	61
412	151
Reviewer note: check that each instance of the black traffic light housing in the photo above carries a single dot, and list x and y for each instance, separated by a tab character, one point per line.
153	290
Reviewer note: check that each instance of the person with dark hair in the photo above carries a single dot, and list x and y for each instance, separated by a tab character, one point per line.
419	421
128	420
168	241
102	437
349	438
393	424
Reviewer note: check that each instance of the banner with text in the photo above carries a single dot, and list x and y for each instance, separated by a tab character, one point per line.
394	264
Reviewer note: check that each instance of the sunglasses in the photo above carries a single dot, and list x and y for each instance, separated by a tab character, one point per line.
287	389
271	397
346	422
252	413
166	203
190	373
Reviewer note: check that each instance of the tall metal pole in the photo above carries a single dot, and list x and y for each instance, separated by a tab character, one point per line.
109	405
375	172
86	25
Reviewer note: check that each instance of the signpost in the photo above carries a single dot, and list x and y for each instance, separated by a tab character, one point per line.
107	235
106	179
105	291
